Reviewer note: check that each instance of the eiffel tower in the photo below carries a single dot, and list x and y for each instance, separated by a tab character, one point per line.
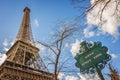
23	61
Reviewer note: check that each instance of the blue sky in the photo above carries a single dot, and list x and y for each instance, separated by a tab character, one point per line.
45	14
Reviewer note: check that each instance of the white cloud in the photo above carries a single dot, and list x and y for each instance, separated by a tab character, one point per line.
41	47
5	43
66	45
61	75
110	23
52	33
71	78
80	76
5	49
114	56
75	47
2	58
36	22
12	43
88	33
88	76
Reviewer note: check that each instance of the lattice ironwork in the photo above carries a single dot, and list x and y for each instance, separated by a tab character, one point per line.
25	32
23	61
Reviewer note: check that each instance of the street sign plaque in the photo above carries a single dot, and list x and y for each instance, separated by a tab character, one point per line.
90	55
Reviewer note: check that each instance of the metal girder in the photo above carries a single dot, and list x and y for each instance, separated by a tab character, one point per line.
23	61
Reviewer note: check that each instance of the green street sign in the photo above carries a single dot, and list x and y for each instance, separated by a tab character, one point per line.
90	55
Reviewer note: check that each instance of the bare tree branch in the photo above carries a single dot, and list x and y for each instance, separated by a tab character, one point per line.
66	32
94	4
48	46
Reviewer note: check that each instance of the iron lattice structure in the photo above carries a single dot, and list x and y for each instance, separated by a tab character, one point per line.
25	32
23	61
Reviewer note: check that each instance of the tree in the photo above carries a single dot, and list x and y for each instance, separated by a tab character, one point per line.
103	5
102	16
56	47
113	73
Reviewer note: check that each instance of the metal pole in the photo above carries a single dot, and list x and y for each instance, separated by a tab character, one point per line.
99	73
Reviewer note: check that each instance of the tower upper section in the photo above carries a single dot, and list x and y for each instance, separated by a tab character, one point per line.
25	32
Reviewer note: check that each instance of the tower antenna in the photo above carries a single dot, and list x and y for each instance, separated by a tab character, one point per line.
27	2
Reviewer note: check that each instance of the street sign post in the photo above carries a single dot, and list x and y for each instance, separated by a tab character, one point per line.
92	57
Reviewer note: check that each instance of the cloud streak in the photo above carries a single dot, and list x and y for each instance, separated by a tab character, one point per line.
36	22
2	58
5	42
71	78
88	33
41	47
5	45
114	56
75	47
78	76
